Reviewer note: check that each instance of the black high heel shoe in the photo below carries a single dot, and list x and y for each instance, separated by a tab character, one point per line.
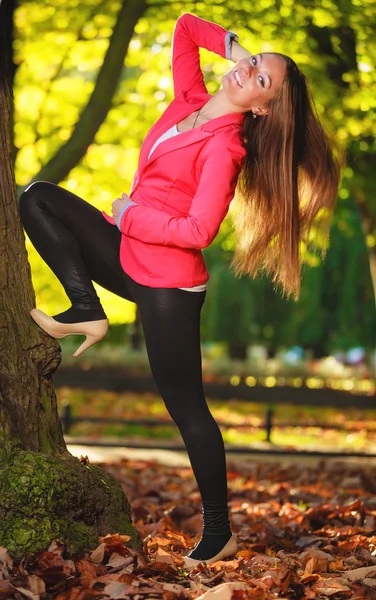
93	330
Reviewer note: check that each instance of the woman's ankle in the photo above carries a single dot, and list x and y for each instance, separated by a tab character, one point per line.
77	315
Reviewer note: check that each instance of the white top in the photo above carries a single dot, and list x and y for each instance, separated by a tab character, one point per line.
170	133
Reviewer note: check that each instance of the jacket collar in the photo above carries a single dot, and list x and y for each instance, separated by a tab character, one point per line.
179	109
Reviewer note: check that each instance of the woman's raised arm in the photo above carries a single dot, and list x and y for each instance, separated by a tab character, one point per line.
190	34
238	52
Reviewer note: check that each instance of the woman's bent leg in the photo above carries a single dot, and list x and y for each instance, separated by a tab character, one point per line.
171	323
77	243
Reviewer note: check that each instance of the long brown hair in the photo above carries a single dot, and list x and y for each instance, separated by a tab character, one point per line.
290	172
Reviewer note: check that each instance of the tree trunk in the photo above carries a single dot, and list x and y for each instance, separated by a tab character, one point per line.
45	492
12	5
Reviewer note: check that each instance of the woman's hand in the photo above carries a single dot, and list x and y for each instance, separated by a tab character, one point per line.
118	204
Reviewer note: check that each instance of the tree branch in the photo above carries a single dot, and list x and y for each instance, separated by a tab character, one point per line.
96	110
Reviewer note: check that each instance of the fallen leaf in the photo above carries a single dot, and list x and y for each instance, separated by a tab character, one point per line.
36	584
5	558
359	574
261	560
223	592
309	578
88	572
98	554
307	554
338	565
315	564
163	556
27	593
328	587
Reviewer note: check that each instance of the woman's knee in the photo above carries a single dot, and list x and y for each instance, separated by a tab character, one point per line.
34	192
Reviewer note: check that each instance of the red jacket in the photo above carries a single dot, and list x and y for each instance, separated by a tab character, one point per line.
183	192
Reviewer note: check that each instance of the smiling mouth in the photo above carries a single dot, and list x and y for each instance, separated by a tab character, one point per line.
237	79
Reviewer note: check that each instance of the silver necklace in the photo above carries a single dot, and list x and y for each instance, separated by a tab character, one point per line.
196	118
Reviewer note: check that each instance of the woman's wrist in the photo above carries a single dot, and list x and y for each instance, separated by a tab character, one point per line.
238	52
122	211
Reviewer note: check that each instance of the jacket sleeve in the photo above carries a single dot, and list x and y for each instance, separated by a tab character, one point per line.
190	34
209	207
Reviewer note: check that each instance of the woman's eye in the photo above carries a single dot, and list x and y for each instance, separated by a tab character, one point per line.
254	60
261	80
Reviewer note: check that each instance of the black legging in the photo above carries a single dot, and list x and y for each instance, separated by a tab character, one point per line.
80	246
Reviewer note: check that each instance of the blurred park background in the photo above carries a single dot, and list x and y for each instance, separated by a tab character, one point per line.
90	78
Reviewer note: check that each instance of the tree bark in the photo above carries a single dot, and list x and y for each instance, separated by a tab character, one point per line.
12	69
45	492
96	110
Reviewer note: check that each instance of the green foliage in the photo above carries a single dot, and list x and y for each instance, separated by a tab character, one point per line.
335	310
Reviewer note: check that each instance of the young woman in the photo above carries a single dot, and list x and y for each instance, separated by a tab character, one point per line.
260	130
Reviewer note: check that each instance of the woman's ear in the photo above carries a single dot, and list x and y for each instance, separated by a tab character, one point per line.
260	111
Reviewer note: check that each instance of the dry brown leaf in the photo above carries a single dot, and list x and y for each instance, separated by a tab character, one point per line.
176	539
56	547
197	587
309	578
5	588
307	554
226	564
118	589
266	582
98	554
36	584
246	554
337	565
108	578
158	540
27	593
163	556
315	565
48	560
114	538
162	566
117	561
309	594
223	592
261	560
69	567
359	574
88	572
5	558
330	586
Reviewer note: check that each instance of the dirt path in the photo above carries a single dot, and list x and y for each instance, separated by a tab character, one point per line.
179	458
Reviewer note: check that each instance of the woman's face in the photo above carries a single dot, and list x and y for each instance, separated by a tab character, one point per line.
254	81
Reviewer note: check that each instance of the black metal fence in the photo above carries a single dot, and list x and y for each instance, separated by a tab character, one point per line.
115	379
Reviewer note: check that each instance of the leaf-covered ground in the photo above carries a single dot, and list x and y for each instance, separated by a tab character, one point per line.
303	531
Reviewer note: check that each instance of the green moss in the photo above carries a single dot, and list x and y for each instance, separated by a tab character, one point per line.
43	498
